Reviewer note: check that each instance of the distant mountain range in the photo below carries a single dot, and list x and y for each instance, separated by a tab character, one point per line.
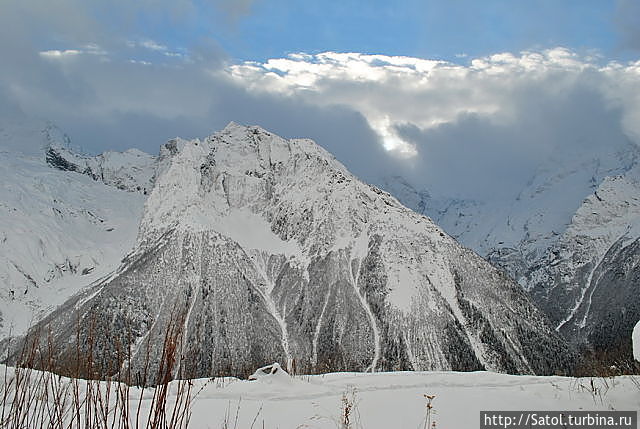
570	238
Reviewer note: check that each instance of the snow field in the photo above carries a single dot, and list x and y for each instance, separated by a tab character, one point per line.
385	400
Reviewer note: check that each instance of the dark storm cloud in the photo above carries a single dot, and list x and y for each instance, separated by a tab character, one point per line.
477	157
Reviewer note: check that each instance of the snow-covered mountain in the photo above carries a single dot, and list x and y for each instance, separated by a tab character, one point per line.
255	249
59	230
565	225
132	170
588	281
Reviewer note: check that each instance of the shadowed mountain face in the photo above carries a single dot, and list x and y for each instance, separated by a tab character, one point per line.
608	307
568	239
616	289
587	283
254	249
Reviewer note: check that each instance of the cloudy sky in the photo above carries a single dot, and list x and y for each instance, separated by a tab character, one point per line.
466	98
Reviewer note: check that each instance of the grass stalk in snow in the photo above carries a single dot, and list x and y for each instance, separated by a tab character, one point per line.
428	424
42	399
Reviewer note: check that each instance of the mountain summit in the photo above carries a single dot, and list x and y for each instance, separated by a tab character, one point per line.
260	249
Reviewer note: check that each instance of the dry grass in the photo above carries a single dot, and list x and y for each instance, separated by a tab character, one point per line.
349	416
429	423
42	399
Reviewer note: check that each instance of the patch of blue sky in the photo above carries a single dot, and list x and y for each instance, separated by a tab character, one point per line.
444	29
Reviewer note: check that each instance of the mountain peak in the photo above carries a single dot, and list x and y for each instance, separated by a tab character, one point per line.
56	138
238	168
272	251
237	129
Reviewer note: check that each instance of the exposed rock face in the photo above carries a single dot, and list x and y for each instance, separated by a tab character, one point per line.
257	249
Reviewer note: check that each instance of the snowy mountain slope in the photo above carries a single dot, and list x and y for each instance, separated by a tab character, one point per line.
515	234
553	237
259	249
609	314
131	170
588	281
576	259
549	206
26	138
608	219
418	201
59	231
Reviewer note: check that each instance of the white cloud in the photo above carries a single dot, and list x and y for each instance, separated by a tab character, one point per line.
150	47
461	128
54	53
458	128
391	90
89	49
144	63
93	49
154	46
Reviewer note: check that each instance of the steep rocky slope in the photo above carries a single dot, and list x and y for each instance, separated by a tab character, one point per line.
256	249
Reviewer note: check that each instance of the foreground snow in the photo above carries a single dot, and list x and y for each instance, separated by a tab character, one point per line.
390	400
387	400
